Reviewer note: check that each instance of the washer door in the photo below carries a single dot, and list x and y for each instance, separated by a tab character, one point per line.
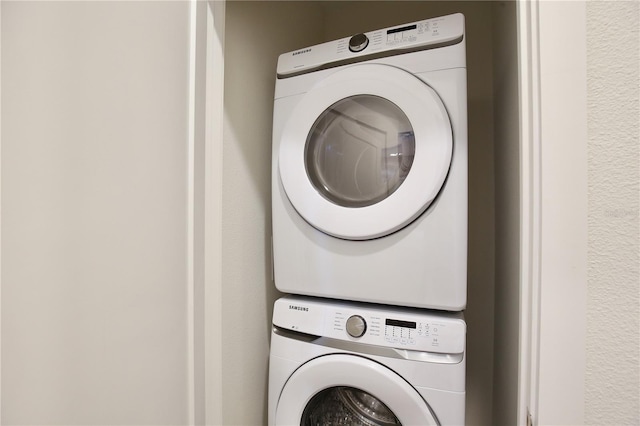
365	152
356	390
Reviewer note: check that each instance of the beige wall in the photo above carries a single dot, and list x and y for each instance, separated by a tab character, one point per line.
612	381
94	296
507	219
560	154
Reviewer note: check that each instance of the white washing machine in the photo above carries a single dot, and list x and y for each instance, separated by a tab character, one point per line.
352	363
369	158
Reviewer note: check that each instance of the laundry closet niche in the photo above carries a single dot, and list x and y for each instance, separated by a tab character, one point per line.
255	34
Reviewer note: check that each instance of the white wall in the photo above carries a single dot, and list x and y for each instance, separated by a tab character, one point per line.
563	213
94	154
612	381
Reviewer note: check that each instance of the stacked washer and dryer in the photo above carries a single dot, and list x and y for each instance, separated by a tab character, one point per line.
370	229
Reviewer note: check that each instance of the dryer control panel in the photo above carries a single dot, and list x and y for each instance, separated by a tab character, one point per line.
395	327
421	35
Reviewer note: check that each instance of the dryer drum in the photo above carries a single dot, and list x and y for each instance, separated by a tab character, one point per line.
359	151
347	406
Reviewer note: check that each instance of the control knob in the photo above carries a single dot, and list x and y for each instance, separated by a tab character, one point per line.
358	42
356	326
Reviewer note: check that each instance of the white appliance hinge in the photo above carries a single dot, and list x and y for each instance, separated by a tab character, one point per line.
529	419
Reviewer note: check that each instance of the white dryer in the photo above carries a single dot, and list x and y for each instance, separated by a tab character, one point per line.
351	363
369	180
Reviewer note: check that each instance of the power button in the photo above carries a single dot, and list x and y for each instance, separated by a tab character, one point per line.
358	42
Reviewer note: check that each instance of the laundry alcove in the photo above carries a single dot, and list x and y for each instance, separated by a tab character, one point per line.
255	34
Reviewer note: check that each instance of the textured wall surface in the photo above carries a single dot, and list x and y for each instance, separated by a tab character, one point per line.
612	381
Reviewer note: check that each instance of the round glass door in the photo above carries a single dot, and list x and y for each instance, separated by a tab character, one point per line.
343	405
365	151
357	390
359	151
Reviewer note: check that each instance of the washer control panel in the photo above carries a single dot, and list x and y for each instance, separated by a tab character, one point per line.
397	327
426	34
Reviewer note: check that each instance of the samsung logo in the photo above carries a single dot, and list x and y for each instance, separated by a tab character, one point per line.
300	52
298	308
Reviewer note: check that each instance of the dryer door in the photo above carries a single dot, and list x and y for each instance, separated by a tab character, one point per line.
365	152
350	389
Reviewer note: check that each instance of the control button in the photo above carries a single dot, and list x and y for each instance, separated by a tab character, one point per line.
356	326
358	42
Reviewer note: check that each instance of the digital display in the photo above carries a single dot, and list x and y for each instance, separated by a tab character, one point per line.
398	323
399	30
